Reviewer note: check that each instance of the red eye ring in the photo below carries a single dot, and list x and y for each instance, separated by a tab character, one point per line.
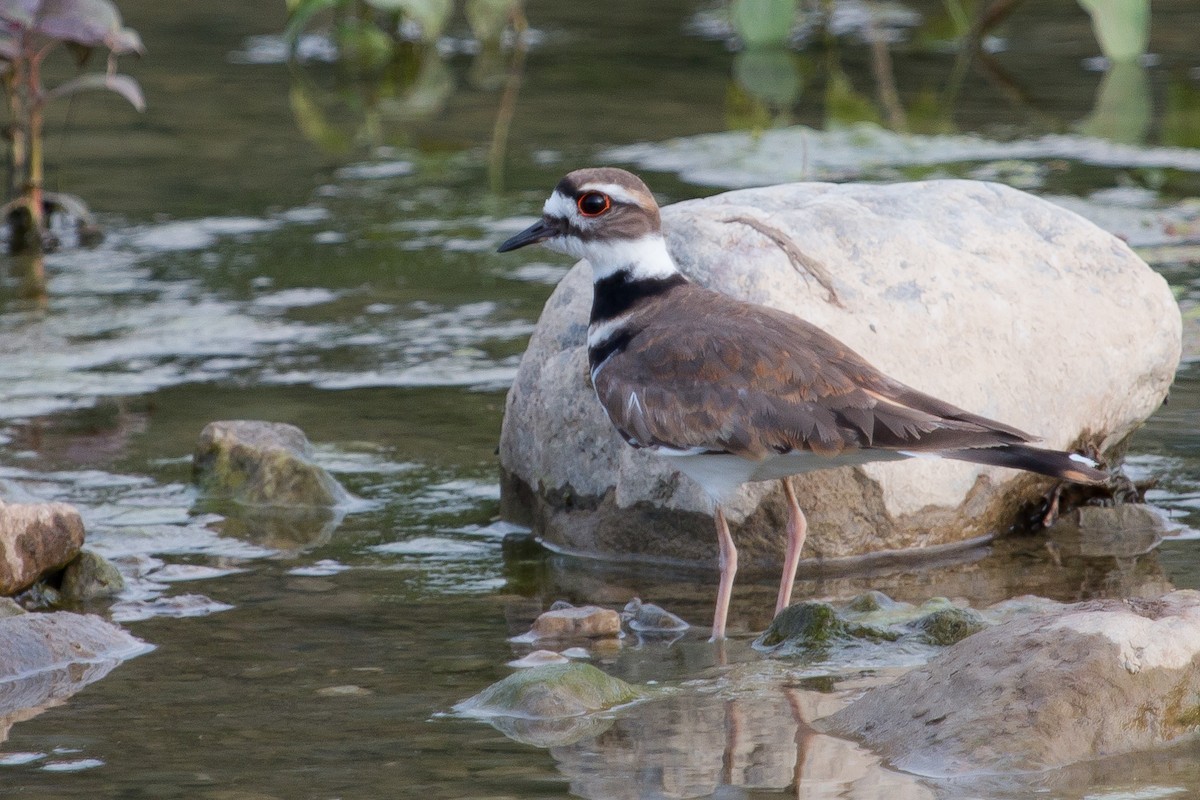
593	204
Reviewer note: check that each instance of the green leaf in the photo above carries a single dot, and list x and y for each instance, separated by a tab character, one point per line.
763	22
1122	26
123	85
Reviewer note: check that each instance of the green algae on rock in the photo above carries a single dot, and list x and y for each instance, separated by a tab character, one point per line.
90	576
262	464
551	692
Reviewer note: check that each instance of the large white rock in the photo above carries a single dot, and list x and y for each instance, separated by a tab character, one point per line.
1081	682
982	295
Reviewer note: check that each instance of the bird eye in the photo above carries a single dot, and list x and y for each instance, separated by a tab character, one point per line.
593	204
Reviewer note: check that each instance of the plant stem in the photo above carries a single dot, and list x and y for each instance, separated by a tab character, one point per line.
36	103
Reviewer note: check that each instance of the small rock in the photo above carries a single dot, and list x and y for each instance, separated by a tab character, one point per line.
552	691
90	576
349	690
812	625
648	618
262	464
538	658
948	626
36	539
1125	531
10	608
871	601
1039	692
588	622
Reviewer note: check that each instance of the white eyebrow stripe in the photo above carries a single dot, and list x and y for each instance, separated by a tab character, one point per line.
559	205
615	191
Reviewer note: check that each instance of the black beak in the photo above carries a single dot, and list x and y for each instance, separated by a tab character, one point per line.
539	231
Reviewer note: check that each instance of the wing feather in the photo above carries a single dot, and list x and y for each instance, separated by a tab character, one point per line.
763	381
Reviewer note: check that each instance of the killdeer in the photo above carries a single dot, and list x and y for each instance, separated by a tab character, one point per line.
730	392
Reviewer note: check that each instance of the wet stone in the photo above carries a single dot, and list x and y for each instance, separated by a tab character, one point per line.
90	576
36	539
538	658
10	608
949	625
552	691
813	625
582	622
262	464
1042	690
871	601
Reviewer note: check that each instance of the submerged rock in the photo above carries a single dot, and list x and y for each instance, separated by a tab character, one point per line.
813	626
947	626
1077	682
90	576
262	464
551	691
1023	311
36	539
48	657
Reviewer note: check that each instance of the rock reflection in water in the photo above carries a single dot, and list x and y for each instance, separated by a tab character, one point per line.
693	744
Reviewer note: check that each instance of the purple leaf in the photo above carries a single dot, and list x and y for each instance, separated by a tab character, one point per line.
19	13
92	23
123	85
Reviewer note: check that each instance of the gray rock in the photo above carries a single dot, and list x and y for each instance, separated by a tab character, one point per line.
48	657
987	297
550	705
36	539
90	576
262	464
1078	682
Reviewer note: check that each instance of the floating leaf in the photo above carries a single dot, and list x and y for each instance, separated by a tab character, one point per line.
123	85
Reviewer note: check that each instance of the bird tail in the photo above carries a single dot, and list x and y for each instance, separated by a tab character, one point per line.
1055	463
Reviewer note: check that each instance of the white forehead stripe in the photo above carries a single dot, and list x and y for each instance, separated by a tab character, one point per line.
615	191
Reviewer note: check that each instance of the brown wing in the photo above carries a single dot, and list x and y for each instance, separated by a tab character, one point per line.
706	371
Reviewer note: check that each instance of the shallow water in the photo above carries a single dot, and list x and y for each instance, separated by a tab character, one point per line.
299	244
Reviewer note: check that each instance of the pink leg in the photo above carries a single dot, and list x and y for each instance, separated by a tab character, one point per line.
728	570
796	530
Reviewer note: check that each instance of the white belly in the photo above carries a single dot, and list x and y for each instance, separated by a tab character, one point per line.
721	475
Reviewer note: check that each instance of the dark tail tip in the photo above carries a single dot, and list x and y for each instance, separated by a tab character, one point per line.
1054	463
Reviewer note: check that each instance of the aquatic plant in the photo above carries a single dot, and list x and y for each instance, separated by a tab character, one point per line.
30	30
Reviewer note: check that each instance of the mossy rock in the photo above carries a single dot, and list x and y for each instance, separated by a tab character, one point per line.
553	691
90	576
946	626
262	464
813	625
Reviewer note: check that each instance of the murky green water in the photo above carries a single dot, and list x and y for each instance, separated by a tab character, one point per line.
307	245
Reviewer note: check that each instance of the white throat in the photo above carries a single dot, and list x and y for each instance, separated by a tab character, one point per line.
646	257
